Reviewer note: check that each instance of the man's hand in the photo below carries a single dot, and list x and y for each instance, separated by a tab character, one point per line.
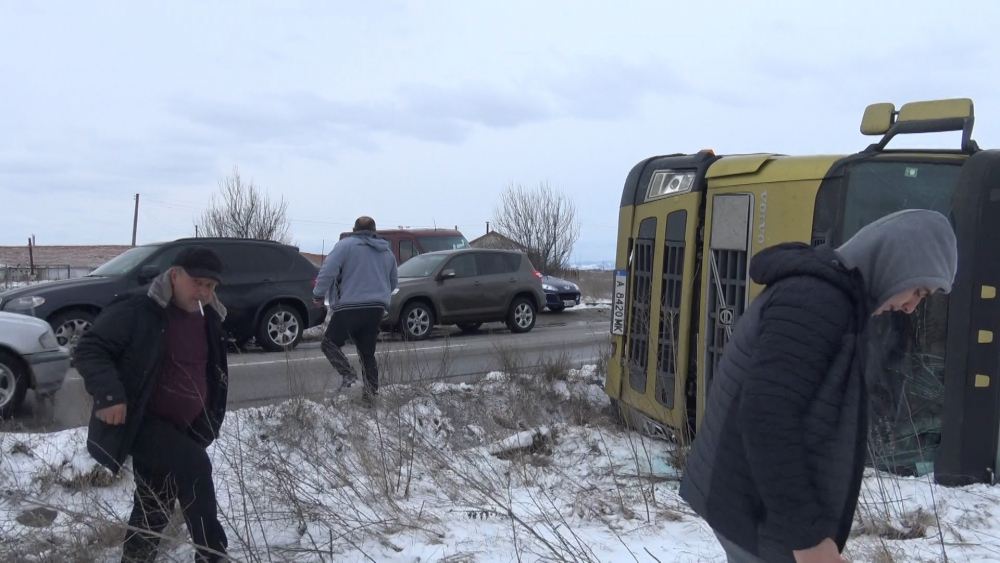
113	415
825	552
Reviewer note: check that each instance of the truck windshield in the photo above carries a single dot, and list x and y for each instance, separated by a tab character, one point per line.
906	353
433	244
420	266
124	262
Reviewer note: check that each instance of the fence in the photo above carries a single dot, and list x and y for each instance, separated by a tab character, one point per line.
13	276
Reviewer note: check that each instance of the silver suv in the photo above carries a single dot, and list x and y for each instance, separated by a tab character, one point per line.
466	287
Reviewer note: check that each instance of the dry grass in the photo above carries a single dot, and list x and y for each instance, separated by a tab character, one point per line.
594	284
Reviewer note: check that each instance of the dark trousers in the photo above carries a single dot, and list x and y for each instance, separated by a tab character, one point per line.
360	326
169	466
735	553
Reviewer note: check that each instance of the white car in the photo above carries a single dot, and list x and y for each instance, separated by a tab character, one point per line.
30	358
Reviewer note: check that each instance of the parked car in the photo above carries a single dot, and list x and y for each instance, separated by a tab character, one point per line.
560	294
267	291
30	358
466	287
407	243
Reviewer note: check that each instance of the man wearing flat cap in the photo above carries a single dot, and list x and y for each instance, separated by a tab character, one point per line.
155	364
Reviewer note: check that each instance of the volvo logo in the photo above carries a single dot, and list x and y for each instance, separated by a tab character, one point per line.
761	217
727	316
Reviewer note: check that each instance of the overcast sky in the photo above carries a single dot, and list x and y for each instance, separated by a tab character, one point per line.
419	115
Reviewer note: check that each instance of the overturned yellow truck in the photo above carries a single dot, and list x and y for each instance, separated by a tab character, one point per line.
690	223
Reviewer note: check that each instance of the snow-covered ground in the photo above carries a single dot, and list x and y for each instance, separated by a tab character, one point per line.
527	467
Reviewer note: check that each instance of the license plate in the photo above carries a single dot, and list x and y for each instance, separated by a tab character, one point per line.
569	303
618	303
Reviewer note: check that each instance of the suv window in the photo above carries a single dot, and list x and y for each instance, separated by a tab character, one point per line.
513	261
493	263
165	259
252	259
464	265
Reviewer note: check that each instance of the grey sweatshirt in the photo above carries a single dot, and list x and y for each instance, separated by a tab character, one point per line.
359	272
906	250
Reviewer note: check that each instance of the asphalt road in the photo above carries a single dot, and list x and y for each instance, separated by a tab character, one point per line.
258	378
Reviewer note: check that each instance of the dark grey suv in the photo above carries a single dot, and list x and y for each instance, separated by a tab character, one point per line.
466	287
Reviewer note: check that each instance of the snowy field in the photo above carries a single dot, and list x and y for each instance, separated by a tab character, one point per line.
523	467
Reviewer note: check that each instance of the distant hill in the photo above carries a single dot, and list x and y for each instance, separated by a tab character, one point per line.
605	265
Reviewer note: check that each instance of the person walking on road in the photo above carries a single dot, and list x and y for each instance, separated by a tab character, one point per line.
155	364
357	278
777	466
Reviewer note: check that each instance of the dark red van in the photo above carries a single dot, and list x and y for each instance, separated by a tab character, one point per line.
407	243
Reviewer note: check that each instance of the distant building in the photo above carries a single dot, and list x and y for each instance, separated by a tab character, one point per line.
496	241
75	257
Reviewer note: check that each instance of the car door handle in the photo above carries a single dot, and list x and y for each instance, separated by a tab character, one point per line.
512	280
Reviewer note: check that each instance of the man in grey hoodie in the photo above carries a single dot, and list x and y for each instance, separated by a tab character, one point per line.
777	465
357	278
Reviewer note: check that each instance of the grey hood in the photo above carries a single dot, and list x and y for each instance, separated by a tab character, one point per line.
162	291
369	238
908	249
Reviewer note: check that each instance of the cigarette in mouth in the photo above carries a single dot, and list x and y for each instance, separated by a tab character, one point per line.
202	310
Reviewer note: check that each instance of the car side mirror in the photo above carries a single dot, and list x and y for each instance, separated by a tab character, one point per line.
447	274
148	272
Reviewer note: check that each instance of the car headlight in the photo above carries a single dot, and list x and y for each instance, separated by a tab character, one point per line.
24	303
48	340
548	287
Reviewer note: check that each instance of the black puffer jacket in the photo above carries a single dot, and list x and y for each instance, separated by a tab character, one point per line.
120	359
778	462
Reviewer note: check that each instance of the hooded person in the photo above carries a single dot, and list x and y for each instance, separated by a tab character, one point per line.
776	467
357	279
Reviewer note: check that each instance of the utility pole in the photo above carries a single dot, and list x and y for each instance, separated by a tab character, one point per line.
135	219
31	254
196	231
487	227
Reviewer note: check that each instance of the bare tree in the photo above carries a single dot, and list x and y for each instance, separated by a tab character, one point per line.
245	212
542	221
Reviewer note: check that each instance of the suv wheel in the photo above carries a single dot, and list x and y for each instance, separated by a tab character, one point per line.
70	325
416	321
13	384
521	316
280	329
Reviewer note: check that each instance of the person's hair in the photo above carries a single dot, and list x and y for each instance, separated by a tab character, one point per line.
364	224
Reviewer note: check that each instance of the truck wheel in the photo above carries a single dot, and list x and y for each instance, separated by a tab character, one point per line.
521	316
280	329
416	321
13	384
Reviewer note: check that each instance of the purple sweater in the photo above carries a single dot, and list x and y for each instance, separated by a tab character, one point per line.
182	387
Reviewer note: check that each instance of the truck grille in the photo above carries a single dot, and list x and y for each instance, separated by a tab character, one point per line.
729	276
642	274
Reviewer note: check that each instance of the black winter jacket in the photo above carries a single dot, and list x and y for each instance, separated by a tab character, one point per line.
120	359
778	461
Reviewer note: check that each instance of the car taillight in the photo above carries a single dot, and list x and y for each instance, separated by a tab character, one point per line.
314	281
537	274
